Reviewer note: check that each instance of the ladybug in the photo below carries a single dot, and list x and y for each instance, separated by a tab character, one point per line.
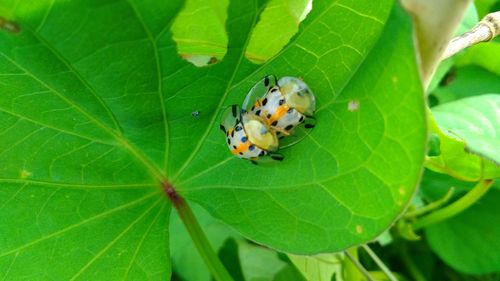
283	104
248	136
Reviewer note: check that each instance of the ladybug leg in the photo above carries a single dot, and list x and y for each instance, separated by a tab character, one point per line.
276	156
309	122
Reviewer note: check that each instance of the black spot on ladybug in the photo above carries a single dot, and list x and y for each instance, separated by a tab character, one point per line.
262	153
290	110
269	115
266	81
257	112
222	128
232	133
234	146
244	139
228	141
301	118
281	102
274	90
253	107
264	101
289	127
308	126
240	153
251	147
275	122
238	128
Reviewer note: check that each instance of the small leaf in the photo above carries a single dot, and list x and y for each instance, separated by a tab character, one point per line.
320	267
258	263
476	120
456	158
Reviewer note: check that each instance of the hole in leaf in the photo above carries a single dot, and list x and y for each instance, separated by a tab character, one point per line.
277	25
200	33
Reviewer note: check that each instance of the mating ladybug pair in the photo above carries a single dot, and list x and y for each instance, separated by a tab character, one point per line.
269	118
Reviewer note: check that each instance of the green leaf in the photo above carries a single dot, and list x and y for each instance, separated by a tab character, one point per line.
476	120
278	23
484	55
97	107
259	263
469	241
79	86
320	267
485	6
199	31
183	252
467	81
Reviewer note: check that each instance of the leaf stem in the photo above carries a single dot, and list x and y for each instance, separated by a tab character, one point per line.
201	242
456	207
379	263
431	206
357	264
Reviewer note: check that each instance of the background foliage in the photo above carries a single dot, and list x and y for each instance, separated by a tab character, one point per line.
97	108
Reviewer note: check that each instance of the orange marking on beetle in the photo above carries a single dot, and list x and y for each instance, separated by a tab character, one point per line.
242	147
257	103
278	114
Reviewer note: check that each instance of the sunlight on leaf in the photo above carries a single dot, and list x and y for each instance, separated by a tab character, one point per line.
278	23
199	31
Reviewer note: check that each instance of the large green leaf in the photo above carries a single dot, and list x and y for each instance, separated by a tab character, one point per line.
80	127
97	106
